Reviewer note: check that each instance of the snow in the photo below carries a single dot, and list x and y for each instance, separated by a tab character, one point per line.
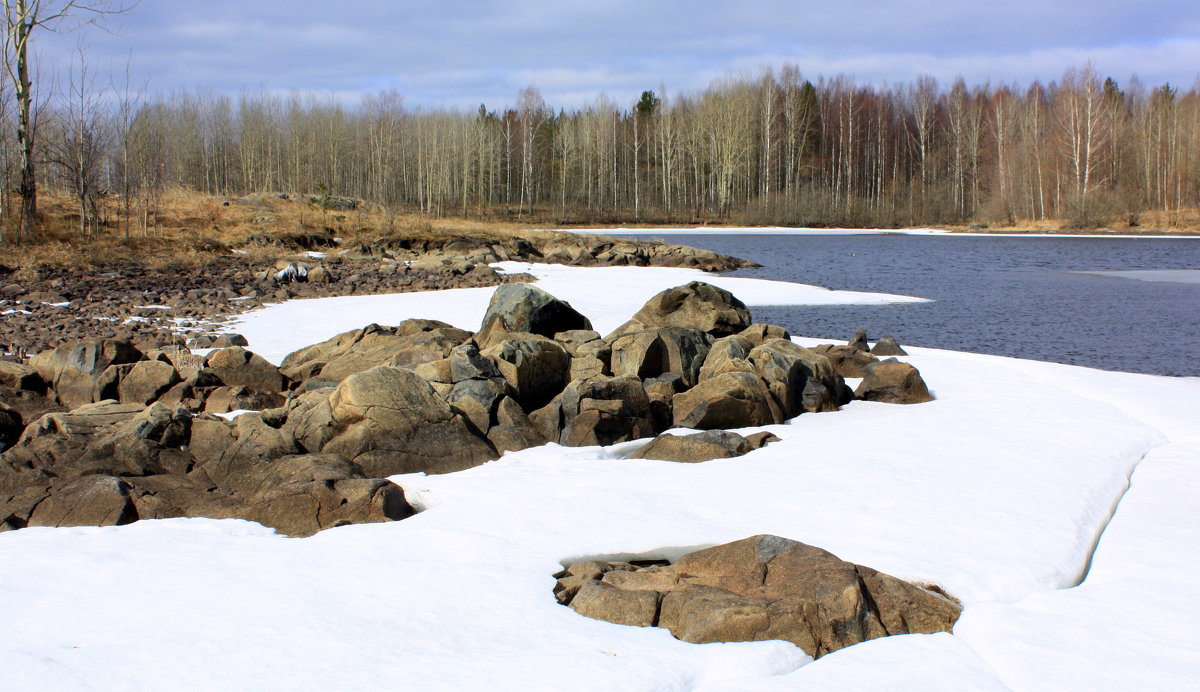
278	329
153	307
1177	276
998	491
315	254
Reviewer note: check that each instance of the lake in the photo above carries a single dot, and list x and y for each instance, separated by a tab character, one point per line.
1019	296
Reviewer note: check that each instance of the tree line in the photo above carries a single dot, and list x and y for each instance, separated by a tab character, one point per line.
768	148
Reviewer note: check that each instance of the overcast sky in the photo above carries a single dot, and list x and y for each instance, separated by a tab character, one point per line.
464	52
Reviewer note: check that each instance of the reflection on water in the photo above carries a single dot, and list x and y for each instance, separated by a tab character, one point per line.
1021	297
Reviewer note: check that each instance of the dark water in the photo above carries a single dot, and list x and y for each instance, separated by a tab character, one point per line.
1007	296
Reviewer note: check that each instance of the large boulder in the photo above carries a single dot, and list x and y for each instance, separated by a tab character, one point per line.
704	446
20	376
800	380
847	361
893	382
696	305
72	369
146	381
520	307
653	352
235	366
535	368
728	400
304	494
84	501
756	589
11	425
599	411
54	442
406	345
389	420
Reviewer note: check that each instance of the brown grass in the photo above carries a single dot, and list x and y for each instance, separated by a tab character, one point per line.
194	229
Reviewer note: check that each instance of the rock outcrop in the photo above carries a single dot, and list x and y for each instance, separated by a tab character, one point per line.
759	588
893	382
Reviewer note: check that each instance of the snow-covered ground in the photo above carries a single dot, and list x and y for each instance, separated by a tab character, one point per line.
997	491
607	295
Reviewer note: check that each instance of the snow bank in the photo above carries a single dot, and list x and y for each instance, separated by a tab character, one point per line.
997	491
607	295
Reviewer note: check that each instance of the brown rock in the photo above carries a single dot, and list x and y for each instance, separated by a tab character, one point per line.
389	420
72	368
888	346
522	308
653	352
704	446
535	368
408	344
756	589
696	305
729	400
235	366
86	501
146	381
847	361
893	382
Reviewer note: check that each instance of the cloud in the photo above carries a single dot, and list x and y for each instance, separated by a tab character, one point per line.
472	51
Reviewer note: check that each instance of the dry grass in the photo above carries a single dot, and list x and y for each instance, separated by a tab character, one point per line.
193	229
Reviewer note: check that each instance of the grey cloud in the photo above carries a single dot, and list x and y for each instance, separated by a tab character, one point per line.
462	53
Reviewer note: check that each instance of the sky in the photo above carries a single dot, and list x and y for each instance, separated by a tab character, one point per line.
465	52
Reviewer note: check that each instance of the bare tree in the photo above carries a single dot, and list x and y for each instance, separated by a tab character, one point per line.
21	19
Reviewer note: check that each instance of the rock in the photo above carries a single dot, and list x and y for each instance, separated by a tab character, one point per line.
146	381
20	376
72	368
599	411
408	344
653	352
513	431
704	446
756	589
11	425
590	355
524	308
226	399
54	442
761	439
893	382
858	342
728	400
148	443
888	346
227	340
300	495
388	420
758	333
727	354
535	367
235	366
86	501
696	305
800	380
847	361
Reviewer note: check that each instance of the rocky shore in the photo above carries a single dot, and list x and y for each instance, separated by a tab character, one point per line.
151	308
99	431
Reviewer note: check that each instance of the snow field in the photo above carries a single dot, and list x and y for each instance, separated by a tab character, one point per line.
997	491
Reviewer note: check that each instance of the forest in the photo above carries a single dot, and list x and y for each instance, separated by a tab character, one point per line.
771	148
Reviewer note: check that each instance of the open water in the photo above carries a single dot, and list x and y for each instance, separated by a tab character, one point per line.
1009	296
